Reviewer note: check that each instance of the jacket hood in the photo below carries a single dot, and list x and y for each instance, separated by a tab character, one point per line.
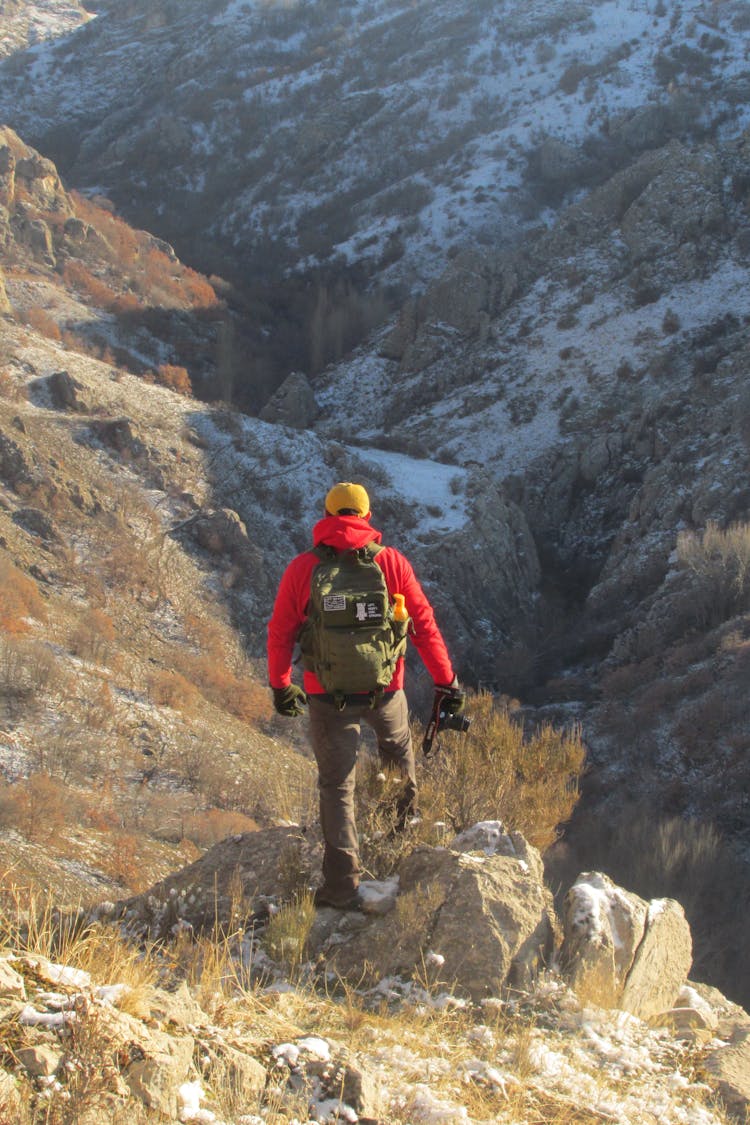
345	533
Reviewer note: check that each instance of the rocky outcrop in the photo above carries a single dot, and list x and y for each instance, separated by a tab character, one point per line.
120	435
235	877
619	951
479	906
64	390
293	404
5	307
221	532
66	1021
15	467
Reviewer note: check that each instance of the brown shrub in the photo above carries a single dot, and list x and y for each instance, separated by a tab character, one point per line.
719	563
79	277
498	771
43	323
494	771
207	828
37	806
245	698
172	689
124	863
174	377
19	599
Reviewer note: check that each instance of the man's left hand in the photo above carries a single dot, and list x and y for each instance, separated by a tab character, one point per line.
453	701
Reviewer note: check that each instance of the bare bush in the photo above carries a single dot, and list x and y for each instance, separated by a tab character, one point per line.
92	637
496	770
27	670
719	563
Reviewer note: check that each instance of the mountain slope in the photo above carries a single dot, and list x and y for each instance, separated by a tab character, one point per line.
346	143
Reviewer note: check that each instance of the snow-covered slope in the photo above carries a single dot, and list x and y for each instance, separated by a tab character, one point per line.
378	132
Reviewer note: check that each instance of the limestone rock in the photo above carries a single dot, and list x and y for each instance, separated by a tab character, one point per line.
36	235
240	1072
293	404
15	467
177	1007
662	961
38	523
679	210
39	1061
489	917
729	1070
11	982
619	951
156	1079
603	926
121	435
7	175
205	892
397	339
498	579
4	302
327	1067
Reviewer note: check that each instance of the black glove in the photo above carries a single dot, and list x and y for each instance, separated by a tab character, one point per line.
289	701
452	698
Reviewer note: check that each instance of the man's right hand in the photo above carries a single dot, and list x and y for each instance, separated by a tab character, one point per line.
289	701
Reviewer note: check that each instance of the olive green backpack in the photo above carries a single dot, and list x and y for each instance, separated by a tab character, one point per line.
351	640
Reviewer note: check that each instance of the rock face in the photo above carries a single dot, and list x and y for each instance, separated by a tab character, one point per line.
497	579
619	951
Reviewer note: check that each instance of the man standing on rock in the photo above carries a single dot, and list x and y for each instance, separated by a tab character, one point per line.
350	603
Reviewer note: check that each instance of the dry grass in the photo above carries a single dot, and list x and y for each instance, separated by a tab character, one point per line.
288	933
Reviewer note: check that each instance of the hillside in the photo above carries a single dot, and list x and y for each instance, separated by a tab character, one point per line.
328	156
525	239
135	724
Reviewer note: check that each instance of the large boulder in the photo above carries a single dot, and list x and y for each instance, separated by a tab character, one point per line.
293	404
476	912
619	951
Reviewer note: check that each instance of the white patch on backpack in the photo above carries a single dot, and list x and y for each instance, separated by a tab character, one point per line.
368	611
334	603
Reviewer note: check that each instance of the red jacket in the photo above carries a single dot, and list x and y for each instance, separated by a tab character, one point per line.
290	607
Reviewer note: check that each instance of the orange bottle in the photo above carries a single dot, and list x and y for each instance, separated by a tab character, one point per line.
400	612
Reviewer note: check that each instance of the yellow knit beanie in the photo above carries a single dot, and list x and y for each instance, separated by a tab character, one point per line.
347	495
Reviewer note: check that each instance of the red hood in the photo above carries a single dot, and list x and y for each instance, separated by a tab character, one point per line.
345	533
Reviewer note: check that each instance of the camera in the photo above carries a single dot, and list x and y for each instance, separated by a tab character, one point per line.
453	722
442	720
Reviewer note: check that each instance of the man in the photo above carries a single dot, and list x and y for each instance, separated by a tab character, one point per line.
335	718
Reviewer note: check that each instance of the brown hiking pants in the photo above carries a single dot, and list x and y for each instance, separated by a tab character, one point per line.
335	737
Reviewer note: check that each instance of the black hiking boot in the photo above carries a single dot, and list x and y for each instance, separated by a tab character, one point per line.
323	897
